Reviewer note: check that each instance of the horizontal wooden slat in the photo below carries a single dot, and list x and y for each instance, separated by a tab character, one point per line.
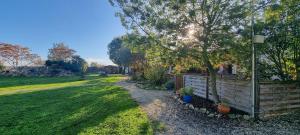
198	83
274	91
282	96
271	98
274	108
279	103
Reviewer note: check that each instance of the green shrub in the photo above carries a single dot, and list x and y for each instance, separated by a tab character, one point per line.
137	77
77	65
186	91
170	84
156	75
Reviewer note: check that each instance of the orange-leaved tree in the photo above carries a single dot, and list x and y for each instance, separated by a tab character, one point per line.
16	56
60	52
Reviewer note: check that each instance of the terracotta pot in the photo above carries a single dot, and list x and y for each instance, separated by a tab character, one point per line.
223	109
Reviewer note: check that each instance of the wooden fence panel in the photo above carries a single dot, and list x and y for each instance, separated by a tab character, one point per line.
277	99
274	99
236	93
198	83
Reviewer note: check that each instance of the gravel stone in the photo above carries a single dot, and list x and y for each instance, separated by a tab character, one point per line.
232	116
203	110
191	106
180	101
211	115
246	117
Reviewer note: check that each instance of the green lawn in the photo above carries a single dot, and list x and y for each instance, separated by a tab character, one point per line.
68	105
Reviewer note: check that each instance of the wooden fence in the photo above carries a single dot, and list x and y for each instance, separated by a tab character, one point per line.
236	94
198	83
278	99
274	99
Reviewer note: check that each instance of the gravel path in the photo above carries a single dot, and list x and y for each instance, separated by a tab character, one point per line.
180	120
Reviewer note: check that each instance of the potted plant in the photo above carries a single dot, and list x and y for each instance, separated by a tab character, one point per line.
223	108
186	93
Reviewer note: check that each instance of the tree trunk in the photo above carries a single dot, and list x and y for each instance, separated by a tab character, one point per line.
298	69
213	77
213	80
124	70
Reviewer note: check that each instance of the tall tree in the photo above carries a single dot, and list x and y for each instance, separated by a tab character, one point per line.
281	49
113	48
16	56
204	26
138	45
118	53
60	52
79	65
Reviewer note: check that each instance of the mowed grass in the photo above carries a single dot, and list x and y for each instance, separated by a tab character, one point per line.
68	105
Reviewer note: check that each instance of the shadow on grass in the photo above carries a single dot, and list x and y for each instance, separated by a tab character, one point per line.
69	110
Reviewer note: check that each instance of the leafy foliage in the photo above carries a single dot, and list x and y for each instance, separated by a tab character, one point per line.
17	56
156	75
60	52
205	27
61	58
170	84
281	28
186	34
118	53
186	91
76	65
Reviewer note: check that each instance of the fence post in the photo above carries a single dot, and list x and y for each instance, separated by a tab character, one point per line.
178	82
207	87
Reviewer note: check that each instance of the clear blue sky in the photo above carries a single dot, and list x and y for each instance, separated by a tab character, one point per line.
87	26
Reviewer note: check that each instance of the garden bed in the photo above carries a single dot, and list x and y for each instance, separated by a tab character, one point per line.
147	85
208	107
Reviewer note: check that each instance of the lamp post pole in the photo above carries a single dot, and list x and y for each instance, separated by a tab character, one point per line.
255	84
254	67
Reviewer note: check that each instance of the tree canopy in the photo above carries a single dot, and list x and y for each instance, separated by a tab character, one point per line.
205	33
61	57
119	53
16	56
60	52
207	26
